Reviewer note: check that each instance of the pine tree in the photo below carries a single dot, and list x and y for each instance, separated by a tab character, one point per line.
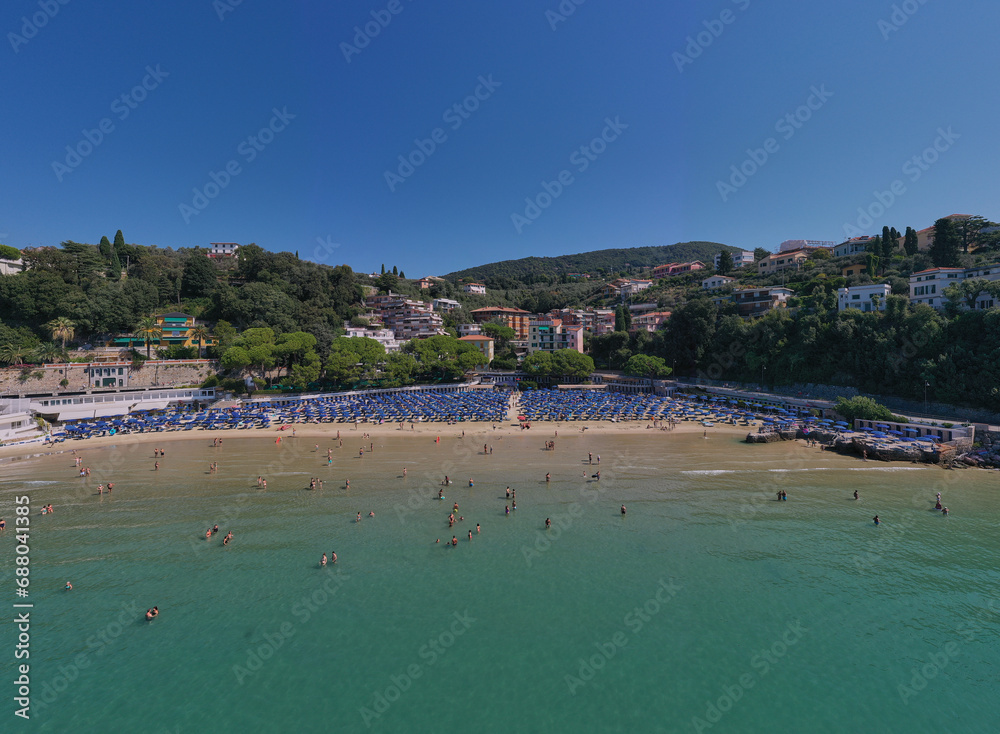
402	274
910	245
394	270
725	263
947	240
383	268
119	240
619	319
888	243
105	248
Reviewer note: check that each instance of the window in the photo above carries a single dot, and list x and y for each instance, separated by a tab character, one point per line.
856	297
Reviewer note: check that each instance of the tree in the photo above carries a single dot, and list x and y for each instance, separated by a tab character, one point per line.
620	319
201	333
148	330
501	334
12	354
61	328
944	250
970	229
759	253
402	275
865	409
383	269
395	271
9	253
627	317
642	365
105	248
49	352
199	276
910	242
888	244
387	282
725	263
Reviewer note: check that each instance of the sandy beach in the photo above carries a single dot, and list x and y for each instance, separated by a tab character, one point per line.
545	431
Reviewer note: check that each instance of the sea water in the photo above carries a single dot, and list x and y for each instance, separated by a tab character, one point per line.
709	606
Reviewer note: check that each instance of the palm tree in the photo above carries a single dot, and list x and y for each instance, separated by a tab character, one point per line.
49	352
201	333
12	354
61	328
148	330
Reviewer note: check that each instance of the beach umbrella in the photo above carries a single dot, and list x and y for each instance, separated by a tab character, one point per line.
896	433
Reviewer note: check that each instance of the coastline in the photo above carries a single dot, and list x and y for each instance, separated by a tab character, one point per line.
325	431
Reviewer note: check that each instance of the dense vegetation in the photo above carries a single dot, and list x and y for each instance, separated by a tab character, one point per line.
598	262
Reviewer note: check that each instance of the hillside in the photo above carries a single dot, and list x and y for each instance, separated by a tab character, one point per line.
597	261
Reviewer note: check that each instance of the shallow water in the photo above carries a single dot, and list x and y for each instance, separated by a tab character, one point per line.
710	606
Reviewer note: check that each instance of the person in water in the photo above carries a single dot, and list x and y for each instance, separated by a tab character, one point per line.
454	540
333	557
506	510
548	477
856	495
69	586
215	530
944	510
323	560
937	506
623	509
876	520
548	522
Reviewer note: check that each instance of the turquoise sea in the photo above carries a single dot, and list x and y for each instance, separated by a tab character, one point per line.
709	606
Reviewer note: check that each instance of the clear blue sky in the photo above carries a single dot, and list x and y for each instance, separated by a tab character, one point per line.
322	176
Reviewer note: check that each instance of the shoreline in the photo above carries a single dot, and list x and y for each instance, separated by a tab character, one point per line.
544	431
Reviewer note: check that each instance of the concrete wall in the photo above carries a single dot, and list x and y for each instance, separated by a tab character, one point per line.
46	379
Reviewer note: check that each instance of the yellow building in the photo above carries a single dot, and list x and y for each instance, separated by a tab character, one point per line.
176	332
483	343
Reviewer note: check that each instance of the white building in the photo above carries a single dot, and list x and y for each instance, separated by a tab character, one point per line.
927	286
385	337
445	304
18	427
741	258
852	246
789	245
717	281
863	297
469	330
222	249
11	267
478	288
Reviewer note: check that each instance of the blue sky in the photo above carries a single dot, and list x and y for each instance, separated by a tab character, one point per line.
679	94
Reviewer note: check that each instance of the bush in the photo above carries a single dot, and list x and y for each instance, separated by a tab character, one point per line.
63	382
866	409
234	385
528	385
211	381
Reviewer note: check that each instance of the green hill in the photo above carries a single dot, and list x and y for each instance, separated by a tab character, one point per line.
604	262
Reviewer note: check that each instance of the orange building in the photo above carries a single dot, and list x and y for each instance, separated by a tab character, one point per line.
515	318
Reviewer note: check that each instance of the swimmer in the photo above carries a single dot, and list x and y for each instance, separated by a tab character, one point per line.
506	509
323	560
937	506
944	510
215	530
404	471
68	586
455	508
359	518
333	557
548	477
876	520
471	484
151	613
156	466
208	534
856	495
548	522
477	528
3	524
454	540
470	535
513	505
623	509
440	494
508	492
371	514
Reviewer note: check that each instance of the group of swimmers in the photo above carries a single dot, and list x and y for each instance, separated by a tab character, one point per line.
333	559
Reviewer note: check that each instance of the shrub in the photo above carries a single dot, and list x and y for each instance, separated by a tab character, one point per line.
63	382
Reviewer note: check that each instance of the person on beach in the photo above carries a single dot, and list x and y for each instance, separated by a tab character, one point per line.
513	505
156	466
597	476
471	483
508	492
440	494
590	458
856	495
348	484
100	489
